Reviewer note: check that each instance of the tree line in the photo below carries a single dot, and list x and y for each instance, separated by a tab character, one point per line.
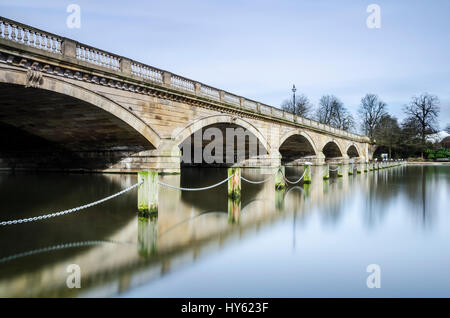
408	138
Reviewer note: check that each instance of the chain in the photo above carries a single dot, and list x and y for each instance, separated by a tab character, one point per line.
293	182
52	215
195	189
59	247
258	182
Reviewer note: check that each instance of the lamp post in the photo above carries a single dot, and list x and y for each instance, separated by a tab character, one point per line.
293	97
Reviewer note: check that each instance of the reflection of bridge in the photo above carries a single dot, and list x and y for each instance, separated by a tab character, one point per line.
69	105
179	236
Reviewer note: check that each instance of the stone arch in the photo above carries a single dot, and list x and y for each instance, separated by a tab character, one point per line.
331	145
301	133
181	134
353	149
296	146
16	77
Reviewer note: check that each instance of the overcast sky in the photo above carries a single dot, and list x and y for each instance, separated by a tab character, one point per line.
258	49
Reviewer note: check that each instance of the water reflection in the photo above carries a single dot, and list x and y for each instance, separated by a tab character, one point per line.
133	251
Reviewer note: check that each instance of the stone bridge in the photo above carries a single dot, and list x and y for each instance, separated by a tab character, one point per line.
66	105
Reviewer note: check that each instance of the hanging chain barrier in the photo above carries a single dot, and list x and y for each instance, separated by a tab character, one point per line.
52	215
293	182
195	189
261	181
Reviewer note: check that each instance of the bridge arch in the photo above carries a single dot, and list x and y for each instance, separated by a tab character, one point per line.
296	144
53	84
353	151
332	149
182	136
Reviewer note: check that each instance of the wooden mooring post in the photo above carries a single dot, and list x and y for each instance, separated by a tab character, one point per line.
148	192
234	183
279	178
307	176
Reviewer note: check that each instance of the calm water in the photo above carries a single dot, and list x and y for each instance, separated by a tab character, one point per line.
312	240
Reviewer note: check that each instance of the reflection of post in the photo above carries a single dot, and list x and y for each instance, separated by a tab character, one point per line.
234	210
279	179
147	235
326	184
307	190
279	199
148	192
358	168
234	183
307	172
350	170
326	172
339	172
365	167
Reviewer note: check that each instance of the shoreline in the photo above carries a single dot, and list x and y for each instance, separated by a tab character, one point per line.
432	163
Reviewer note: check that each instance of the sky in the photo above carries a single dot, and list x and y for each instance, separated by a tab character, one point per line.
259	49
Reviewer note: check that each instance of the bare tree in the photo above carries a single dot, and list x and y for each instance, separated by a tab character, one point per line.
387	133
331	111
423	110
302	106
371	110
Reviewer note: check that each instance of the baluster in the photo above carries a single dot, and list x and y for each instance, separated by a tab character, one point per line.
47	38
38	39
13	32
89	59
2	25
32	41
58	46
19	34
44	41
6	30
26	36
54	45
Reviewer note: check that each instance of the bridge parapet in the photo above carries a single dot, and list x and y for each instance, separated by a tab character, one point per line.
26	38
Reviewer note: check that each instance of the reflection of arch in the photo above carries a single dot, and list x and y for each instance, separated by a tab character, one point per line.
353	151
301	133
332	149
219	119
85	95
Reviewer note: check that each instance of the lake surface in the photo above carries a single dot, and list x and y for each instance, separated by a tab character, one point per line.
309	240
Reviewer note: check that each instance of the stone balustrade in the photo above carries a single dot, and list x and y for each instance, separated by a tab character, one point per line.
29	36
48	42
